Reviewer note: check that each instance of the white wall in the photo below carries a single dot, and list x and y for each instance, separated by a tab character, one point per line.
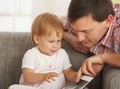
19	14
58	7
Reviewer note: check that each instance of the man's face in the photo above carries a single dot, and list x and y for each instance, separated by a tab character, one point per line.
89	31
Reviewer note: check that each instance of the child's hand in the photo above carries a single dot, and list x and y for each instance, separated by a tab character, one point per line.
50	76
76	77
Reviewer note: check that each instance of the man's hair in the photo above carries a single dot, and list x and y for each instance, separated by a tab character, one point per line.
99	9
45	24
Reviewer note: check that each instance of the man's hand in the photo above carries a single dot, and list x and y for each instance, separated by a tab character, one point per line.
91	67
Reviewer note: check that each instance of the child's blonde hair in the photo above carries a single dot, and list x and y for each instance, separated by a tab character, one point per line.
46	23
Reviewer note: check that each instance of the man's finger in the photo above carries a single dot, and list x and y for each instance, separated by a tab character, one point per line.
85	70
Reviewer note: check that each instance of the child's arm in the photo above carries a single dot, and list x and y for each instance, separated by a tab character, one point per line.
32	78
70	75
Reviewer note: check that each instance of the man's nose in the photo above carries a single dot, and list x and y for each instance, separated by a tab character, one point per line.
80	36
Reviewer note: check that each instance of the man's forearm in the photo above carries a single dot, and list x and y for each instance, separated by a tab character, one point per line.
111	59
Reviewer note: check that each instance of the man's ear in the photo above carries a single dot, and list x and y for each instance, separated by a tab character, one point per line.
36	38
109	20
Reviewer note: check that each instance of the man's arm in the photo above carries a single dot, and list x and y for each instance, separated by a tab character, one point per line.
73	41
111	59
93	65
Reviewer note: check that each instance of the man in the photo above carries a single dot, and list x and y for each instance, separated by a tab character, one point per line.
94	26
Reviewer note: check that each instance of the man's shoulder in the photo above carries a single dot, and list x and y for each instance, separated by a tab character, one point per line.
65	22
117	5
117	10
117	16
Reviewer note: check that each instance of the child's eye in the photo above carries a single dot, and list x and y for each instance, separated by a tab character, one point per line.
59	41
55	41
86	31
51	41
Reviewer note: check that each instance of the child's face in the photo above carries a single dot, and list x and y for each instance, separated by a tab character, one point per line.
49	45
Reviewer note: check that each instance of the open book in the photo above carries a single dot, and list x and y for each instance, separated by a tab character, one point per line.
85	80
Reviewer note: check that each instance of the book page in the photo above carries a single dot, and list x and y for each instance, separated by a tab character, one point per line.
86	78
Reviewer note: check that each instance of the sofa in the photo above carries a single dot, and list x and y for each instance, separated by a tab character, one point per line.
13	45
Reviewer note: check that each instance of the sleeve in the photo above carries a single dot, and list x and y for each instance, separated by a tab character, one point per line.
67	63
28	60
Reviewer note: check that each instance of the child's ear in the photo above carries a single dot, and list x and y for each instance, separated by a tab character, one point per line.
36	38
109	20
